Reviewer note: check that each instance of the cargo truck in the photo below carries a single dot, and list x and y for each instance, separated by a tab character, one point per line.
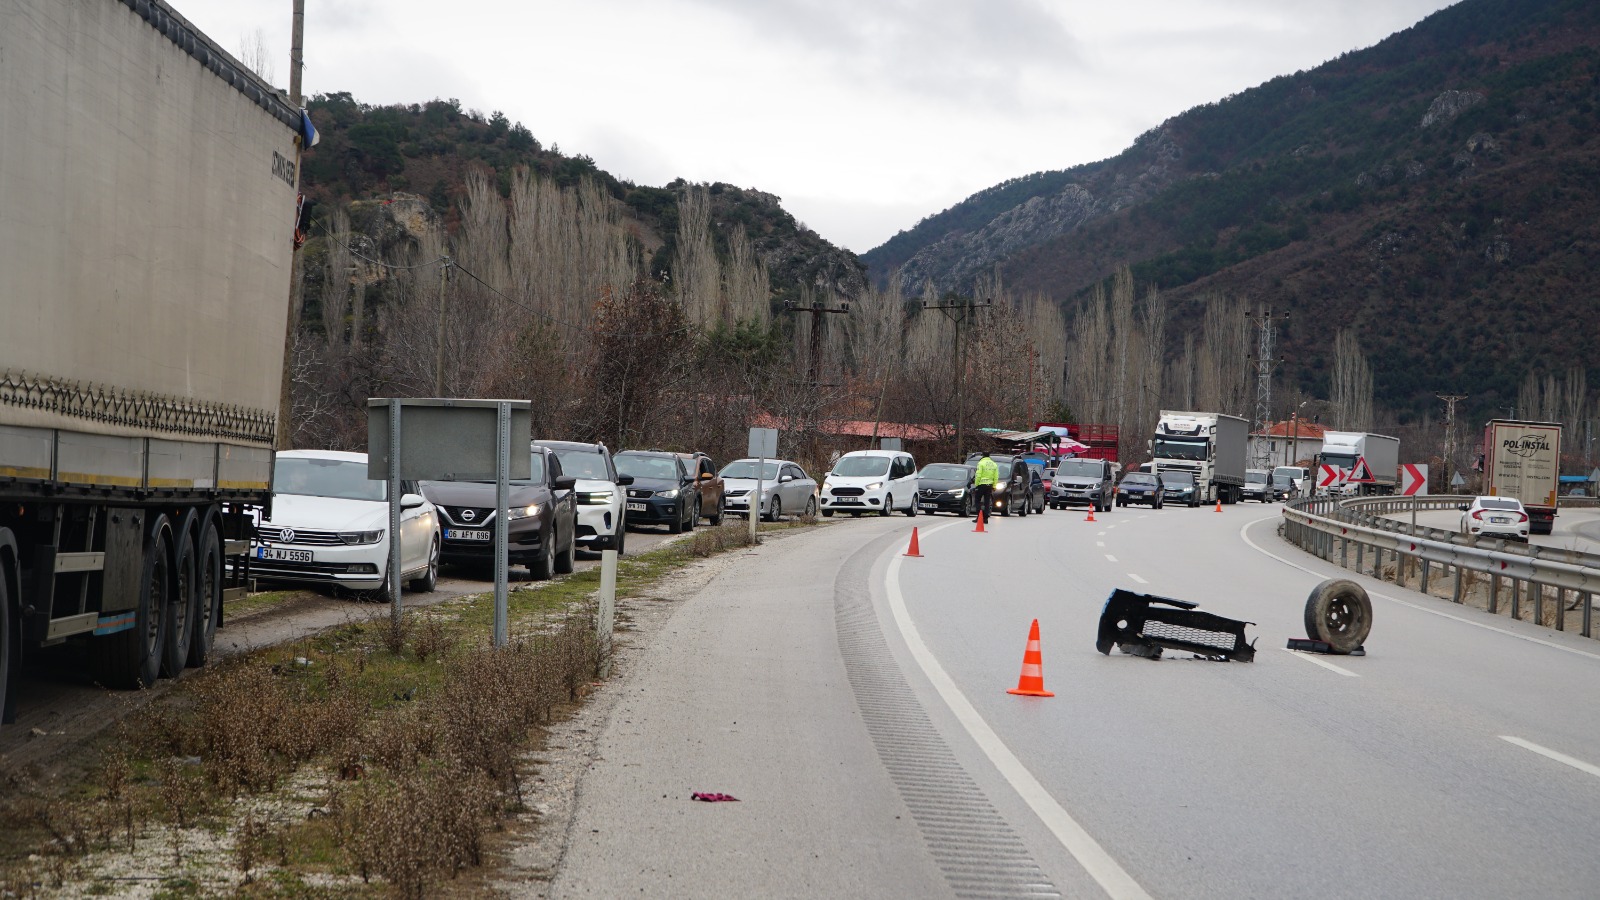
1523	460
148	196
1345	449
1100	439
1210	445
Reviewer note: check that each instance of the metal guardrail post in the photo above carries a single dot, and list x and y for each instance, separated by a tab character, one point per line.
1424	587
1538	603
1516	599
1455	594
1494	595
1588	606
1361	556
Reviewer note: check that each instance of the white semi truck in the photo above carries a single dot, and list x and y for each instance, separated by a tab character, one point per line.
1523	460
148	195
1345	449
1212	446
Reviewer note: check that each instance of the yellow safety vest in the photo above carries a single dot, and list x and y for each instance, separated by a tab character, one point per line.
988	472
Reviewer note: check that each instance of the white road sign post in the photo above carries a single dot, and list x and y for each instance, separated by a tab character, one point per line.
763	444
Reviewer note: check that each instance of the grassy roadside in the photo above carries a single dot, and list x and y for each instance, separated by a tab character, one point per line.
366	760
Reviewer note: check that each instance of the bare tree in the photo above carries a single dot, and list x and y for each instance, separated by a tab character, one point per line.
696	275
256	55
1351	390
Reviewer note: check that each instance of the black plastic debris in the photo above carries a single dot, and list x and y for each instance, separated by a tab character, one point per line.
1308	645
1144	625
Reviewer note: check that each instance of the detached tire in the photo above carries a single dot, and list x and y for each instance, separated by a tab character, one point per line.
1339	613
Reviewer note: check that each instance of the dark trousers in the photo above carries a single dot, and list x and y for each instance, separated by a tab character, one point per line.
985	499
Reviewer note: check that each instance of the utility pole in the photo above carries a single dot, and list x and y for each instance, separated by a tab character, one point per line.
961	311
816	310
438	350
1450	401
283	436
1266	337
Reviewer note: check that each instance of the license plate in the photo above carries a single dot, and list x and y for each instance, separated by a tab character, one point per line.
457	534
282	555
1499	520
928	505
636	507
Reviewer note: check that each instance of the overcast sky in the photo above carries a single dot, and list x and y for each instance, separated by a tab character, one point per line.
863	115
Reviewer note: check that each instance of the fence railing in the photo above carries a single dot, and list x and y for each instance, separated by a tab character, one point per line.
1355	534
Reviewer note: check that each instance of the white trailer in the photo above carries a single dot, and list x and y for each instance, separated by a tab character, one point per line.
1345	449
1212	446
148	193
1523	460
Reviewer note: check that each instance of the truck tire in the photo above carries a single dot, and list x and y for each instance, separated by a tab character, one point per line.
184	607
9	648
208	593
131	658
1339	613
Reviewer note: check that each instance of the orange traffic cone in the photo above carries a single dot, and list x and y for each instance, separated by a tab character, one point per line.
1031	684
912	551
982	515
1091	515
1219	504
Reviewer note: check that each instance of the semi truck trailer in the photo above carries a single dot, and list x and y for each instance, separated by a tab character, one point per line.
1345	449
1523	460
148	196
1210	445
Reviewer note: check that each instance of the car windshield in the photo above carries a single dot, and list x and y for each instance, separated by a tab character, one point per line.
862	466
1286	472
1139	478
1498	503
1080	468
746	468
583	464
1177	479
1256	477
1167	448
946	472
647	466
535	470
339	478
1339	460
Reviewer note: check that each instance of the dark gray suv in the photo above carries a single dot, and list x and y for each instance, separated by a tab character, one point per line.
1083	482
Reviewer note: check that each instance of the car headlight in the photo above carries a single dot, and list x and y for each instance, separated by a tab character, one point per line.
361	537
596	498
668	495
522	512
875	485
958	493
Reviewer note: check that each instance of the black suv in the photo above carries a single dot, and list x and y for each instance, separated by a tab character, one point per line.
541	526
1181	487
1083	482
945	487
663	490
1013	492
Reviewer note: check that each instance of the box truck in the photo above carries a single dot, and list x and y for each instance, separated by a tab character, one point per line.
148	199
1210	445
1523	460
1345	449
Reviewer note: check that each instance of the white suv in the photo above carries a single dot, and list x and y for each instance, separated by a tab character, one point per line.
876	481
598	493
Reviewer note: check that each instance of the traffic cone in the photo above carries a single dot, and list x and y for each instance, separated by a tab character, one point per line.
982	515
1031	684
1091	514
912	551
1219	503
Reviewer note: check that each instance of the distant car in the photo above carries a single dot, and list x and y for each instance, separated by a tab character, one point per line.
1038	492
1288	481
541	518
710	501
1180	487
1140	487
1501	517
330	525
783	486
663	489
945	487
871	481
1083	482
599	488
1258	486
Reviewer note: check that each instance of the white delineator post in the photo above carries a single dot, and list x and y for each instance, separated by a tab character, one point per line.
605	621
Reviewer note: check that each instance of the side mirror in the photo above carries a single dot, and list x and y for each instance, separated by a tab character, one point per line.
624	480
707	476
1465	508
565	482
411	501
785	478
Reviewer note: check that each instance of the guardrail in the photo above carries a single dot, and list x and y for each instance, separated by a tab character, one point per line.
1348	531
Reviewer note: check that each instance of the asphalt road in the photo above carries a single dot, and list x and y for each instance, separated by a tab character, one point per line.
854	700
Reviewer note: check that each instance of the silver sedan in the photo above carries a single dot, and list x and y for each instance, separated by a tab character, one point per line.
784	487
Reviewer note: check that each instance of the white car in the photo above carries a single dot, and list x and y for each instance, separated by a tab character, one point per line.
330	525
599	493
785	487
1501	517
872	481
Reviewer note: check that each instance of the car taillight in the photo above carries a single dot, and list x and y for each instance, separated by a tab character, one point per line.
1522	517
1478	514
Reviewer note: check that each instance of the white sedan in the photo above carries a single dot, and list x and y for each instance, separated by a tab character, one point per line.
1501	517
330	525
785	487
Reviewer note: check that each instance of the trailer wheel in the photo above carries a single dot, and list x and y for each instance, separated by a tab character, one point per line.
132	657
1339	613
183	605
9	651
208	594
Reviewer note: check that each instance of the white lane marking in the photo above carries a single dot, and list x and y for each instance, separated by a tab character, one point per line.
1099	543
1110	557
1562	758
1321	662
1109	527
1084	848
1099	534
1137	578
1416	606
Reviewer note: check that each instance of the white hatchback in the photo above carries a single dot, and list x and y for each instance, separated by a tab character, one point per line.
1501	517
330	525
871	481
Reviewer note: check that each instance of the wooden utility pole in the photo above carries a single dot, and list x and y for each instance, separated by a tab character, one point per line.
438	350
1450	401
960	310
283	438
816	310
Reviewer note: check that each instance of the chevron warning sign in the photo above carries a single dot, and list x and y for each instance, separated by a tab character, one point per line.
1362	473
1414	479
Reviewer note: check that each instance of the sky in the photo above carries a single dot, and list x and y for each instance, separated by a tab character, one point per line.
864	116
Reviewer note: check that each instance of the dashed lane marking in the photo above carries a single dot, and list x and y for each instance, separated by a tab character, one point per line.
1137	578
1321	662
1110	557
1562	758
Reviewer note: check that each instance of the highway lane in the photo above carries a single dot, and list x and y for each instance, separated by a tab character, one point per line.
1575	529
1386	775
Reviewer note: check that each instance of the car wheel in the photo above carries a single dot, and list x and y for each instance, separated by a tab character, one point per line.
722	510
888	505
1339	613
565	561
427	581
545	566
1005	511
967	509
694	516
775	509
676	525
618	539
855	515
827	514
911	508
811	507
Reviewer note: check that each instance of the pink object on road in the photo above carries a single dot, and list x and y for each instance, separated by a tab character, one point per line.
713	798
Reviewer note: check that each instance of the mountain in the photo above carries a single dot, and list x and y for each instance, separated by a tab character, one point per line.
1437	192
